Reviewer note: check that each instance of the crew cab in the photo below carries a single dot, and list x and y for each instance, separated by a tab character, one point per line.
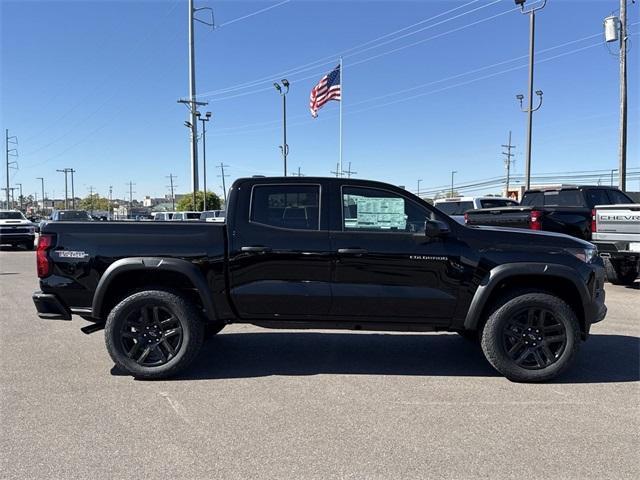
326	253
564	210
16	230
616	233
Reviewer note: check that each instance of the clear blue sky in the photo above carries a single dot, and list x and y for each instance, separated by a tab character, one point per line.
93	85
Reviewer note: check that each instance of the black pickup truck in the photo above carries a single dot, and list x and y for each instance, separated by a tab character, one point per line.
567	210
322	253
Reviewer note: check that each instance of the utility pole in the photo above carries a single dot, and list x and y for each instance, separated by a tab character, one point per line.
349	172
44	206
110	200
10	200
191	103
224	185
20	197
299	174
73	193
622	163
284	148
11	143
508	161
91	198
419	180
337	170
171	176
453	172
66	190
529	110
207	117
131	184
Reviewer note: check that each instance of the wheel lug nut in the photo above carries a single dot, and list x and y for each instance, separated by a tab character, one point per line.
534	344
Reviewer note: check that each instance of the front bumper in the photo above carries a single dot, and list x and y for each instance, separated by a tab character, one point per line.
49	307
17	237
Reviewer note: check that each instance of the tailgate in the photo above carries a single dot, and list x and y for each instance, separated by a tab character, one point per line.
617	222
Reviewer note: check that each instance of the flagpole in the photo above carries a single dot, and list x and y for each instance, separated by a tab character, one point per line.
341	100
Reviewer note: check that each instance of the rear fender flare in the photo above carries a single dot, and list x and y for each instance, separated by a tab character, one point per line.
151	264
502	272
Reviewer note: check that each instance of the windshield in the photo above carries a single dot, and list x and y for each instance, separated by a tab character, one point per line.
454	208
70	215
192	215
11	216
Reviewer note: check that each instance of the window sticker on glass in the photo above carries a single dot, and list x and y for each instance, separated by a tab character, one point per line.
374	213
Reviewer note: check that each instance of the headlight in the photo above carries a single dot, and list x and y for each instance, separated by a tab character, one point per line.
587	255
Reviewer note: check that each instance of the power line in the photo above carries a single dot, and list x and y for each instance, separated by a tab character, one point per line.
262	10
346	53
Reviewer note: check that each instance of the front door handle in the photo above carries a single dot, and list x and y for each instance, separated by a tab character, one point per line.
255	249
353	251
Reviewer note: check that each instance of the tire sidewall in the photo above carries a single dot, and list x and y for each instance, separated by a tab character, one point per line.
177	306
493	345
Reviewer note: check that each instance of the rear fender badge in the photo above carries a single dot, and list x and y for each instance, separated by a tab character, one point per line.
72	254
428	257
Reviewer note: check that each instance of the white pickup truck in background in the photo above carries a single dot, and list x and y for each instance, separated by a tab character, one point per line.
615	229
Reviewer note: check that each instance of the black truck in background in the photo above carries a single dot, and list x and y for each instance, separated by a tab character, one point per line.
329	253
568	210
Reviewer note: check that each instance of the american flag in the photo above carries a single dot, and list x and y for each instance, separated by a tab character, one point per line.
328	88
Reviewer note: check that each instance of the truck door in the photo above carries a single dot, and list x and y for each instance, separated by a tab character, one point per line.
279	256
385	266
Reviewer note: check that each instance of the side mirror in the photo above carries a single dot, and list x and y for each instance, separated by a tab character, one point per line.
435	229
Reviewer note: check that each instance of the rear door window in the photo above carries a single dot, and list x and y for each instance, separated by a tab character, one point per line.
286	206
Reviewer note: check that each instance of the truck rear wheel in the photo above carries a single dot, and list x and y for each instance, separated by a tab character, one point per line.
154	334
618	275
531	338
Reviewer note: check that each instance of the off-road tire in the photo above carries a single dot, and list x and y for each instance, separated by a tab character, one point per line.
492	338
186	313
614	275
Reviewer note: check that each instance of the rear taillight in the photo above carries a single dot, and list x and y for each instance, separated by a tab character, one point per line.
594	223
45	242
534	220
466	218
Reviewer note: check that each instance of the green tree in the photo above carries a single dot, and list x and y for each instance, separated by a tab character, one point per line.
186	202
94	202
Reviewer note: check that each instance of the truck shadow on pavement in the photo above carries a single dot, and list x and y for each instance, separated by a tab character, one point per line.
603	358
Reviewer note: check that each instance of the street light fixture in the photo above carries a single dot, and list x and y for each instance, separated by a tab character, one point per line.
283	90
529	110
207	117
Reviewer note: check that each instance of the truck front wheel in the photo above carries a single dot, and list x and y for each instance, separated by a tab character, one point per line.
531	337
621	273
154	334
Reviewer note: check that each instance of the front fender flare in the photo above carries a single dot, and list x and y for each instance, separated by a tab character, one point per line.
152	264
504	271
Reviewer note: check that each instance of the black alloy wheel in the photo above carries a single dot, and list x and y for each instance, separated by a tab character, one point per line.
534	338
151	336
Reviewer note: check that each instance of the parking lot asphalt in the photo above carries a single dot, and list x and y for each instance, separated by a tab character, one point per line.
280	404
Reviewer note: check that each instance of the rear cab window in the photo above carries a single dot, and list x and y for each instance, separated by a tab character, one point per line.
497	203
295	206
454	208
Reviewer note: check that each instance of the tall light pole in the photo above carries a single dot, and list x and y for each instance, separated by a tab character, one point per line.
283	90
529	110
453	172
207	117
42	184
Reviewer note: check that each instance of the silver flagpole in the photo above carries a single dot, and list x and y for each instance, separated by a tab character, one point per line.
341	100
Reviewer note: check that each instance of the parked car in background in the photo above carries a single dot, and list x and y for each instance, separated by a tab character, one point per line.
181	216
162	216
16	230
615	230
216	216
456	207
70	216
564	210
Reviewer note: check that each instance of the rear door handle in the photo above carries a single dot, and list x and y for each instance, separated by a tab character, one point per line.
255	249
353	251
